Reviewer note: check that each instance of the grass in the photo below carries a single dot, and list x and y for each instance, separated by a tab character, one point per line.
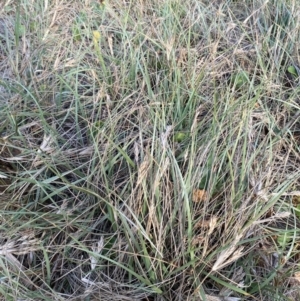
149	150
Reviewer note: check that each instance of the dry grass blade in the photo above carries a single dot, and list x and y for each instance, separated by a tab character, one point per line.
229	255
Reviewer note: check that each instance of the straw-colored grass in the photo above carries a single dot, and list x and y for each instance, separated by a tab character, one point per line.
149	150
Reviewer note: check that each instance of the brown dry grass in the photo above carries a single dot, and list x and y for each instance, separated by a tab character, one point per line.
149	150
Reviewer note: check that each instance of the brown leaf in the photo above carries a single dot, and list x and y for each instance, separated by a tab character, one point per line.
297	277
197	240
199	195
207	224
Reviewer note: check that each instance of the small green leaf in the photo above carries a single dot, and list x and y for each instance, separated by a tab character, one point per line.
239	79
32	26
297	210
292	70
180	136
20	30
76	34
96	36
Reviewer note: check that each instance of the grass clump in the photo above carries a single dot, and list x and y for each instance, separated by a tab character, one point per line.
149	150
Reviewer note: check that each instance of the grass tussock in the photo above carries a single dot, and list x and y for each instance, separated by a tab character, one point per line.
149	150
